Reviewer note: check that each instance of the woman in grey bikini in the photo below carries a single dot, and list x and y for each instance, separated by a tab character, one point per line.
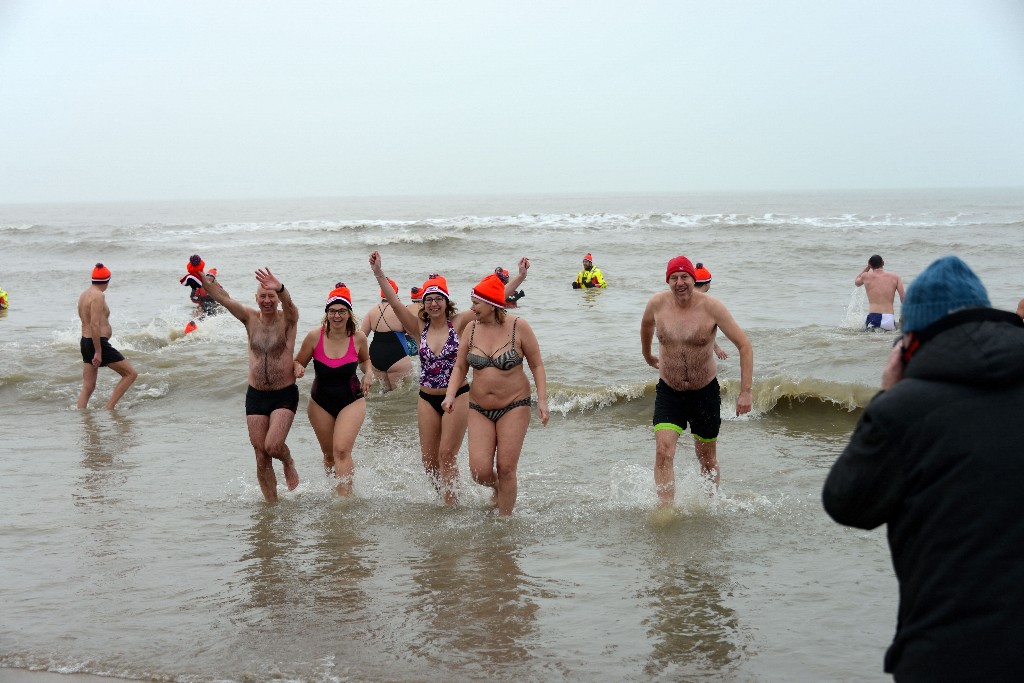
495	346
437	325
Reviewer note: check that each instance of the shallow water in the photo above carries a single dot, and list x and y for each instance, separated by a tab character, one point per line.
135	543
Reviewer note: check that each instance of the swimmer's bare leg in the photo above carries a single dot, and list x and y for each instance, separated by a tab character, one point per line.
483	443
707	455
89	374
128	376
258	425
280	422
665	441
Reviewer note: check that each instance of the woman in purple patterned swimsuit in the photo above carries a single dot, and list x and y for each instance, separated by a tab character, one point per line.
438	326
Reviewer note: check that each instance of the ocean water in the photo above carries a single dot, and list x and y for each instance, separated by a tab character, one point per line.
135	542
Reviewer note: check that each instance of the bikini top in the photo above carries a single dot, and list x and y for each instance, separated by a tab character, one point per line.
436	368
505	361
331	368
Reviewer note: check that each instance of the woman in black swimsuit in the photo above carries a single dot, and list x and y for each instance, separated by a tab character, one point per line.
336	405
388	355
495	345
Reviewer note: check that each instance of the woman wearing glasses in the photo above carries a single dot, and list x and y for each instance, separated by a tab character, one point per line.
336	405
437	326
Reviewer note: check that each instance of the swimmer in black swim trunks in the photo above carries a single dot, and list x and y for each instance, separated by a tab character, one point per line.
336	405
273	397
495	346
391	363
95	345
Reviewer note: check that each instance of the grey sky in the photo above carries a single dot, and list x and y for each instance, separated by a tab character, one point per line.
209	99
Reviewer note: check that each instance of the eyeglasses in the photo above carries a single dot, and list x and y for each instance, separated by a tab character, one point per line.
336	312
433	300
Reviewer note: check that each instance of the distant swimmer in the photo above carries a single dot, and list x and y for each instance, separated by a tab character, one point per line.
205	305
4	301
416	296
511	297
589	277
273	396
685	321
96	349
703	284
881	287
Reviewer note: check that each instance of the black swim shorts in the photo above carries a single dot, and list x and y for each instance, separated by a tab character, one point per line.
702	408
259	402
108	354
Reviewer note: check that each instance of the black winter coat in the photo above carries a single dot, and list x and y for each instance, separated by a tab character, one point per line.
939	458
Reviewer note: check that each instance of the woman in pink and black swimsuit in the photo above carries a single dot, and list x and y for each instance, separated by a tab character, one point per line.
336	405
438	325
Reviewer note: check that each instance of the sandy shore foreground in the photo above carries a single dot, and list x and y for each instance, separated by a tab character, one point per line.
26	676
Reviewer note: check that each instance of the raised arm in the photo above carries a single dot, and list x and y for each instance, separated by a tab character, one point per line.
412	324
268	281
531	351
218	294
513	284
859	280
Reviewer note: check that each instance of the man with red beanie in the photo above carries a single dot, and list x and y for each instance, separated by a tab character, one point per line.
96	349
686	321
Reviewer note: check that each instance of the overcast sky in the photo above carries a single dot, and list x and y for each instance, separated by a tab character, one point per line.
208	99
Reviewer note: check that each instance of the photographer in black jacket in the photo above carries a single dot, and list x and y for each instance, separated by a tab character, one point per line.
938	456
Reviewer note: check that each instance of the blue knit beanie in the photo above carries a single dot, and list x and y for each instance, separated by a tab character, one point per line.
946	286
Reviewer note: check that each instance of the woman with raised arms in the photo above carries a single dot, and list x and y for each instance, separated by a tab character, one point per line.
337	406
388	354
495	345
437	326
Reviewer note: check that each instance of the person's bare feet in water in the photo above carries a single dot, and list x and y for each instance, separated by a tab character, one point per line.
291	475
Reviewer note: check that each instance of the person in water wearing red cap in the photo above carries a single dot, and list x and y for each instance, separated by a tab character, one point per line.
337	406
589	277
205	305
685	321
495	346
702	283
388	353
96	349
273	396
437	325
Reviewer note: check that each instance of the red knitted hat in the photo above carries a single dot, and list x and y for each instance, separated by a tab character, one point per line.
195	265
680	264
416	294
339	295
588	257
100	274
394	286
490	290
702	275
435	284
